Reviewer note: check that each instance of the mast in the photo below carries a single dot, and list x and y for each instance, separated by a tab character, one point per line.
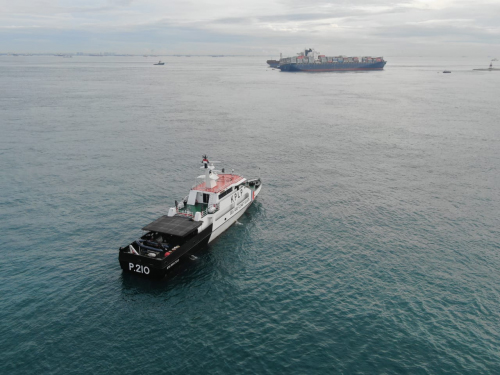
210	178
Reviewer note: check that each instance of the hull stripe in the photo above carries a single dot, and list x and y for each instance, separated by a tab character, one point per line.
331	67
335	70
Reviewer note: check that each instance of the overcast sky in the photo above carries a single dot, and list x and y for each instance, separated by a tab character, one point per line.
258	27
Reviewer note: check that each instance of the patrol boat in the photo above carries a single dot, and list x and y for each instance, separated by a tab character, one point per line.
213	204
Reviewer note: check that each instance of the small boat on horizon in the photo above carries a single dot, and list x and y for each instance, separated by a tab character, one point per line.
159	63
491	68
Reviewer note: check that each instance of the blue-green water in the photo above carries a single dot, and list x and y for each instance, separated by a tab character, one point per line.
372	249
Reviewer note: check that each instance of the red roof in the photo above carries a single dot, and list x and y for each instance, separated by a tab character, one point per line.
222	183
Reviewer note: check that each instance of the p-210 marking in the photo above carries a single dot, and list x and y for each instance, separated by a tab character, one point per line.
138	268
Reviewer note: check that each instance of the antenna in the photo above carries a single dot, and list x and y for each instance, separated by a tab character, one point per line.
210	178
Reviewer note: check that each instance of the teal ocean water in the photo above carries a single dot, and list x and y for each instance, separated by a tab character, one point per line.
372	249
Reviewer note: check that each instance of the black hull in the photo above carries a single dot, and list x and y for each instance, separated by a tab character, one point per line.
159	268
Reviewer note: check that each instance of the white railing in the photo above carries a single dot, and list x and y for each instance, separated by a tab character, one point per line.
187	213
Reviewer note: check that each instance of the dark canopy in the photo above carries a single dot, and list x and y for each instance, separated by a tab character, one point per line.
174	225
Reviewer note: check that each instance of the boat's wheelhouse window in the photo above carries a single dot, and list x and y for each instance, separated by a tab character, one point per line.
224	193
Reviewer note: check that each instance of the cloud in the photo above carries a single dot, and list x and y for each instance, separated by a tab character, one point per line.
438	30
224	26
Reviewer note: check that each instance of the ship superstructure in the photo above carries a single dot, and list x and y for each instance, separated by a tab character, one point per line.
312	61
213	204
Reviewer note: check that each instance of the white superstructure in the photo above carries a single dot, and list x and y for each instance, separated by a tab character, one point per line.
218	199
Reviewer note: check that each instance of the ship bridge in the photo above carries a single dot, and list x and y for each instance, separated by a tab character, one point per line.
214	191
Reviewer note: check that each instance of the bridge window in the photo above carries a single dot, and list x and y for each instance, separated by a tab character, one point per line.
224	193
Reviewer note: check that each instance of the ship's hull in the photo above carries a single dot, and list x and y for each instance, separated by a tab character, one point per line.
331	67
232	217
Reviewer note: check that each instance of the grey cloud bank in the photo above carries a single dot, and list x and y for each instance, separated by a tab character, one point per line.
417	27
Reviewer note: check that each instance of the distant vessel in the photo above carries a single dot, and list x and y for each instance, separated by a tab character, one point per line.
446	71
273	63
211	207
491	68
159	63
311	61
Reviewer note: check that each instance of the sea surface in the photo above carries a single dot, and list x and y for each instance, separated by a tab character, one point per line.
373	248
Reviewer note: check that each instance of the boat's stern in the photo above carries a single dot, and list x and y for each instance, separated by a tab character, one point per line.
168	240
141	265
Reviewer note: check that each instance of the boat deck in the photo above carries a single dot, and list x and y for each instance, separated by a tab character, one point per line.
191	209
224	181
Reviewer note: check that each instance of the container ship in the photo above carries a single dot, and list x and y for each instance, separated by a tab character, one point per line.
312	61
